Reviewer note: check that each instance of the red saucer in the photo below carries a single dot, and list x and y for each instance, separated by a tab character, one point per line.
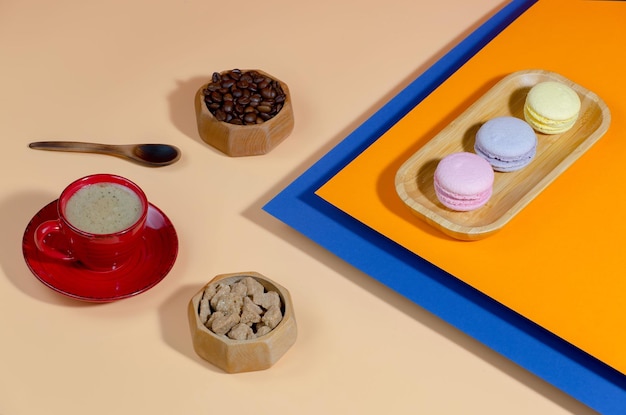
146	269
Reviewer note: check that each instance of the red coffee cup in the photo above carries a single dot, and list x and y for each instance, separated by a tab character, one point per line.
101	217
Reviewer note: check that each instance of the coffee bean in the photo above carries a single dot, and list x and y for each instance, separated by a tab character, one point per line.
267	103
250	118
243	98
227	83
268	92
220	115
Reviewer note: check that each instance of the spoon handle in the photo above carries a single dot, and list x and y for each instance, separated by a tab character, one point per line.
77	146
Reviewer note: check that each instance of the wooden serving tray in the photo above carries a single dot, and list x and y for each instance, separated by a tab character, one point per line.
511	191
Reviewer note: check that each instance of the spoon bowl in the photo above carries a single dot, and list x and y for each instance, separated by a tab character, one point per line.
150	155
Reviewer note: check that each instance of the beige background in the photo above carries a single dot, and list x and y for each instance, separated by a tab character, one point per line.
126	71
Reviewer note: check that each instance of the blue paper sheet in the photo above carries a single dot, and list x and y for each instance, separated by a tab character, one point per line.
515	337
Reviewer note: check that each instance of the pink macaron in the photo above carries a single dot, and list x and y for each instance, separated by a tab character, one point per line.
463	181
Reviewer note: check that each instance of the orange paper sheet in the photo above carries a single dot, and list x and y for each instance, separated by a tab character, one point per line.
561	262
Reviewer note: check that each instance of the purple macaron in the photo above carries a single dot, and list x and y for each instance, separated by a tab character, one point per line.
507	143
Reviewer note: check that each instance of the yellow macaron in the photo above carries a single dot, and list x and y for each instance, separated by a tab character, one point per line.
551	107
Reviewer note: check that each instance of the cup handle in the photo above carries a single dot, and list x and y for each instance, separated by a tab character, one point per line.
43	231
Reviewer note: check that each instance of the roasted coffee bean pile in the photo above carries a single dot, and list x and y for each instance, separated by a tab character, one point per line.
243	97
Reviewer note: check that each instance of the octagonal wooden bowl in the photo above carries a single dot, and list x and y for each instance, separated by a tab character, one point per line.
235	356
244	140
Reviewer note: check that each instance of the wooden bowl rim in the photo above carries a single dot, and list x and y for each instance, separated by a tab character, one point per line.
276	331
266	124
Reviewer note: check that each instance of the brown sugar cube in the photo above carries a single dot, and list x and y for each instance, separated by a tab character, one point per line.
250	313
241	332
221	323
267	300
272	317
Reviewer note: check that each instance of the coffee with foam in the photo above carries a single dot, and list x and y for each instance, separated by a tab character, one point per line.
103	208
